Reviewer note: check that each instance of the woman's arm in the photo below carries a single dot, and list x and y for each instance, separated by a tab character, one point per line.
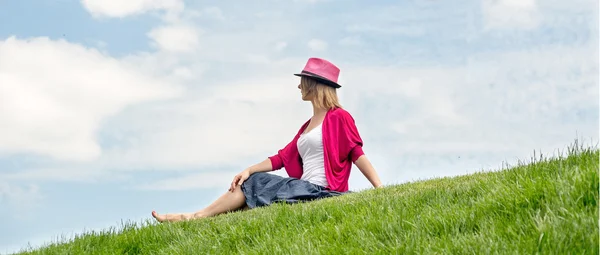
240	178
264	166
367	169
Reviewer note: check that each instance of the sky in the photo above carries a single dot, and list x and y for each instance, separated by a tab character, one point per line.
111	109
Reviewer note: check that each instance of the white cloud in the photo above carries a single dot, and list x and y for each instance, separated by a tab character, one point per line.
428	91
317	45
502	105
22	200
218	180
69	173
58	111
176	38
404	30
279	46
243	121
119	9
183	73
214	12
309	1
519	14
569	7
351	41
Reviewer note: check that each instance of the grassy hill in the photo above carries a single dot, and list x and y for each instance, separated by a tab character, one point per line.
549	206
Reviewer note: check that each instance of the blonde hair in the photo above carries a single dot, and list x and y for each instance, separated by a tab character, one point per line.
323	96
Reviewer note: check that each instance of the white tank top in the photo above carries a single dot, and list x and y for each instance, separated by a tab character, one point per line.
310	147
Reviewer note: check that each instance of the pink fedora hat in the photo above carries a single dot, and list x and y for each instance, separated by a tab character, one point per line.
321	70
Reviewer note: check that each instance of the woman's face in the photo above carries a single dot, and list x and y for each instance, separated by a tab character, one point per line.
305	97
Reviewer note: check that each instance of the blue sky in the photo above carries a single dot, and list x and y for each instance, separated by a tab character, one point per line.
109	110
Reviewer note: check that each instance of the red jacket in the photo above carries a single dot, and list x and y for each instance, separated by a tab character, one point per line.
342	146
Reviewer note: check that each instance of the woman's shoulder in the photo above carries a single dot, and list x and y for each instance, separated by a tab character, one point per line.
340	113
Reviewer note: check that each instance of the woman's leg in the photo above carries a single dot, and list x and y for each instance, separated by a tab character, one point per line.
230	201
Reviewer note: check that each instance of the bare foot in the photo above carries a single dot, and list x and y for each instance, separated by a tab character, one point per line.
159	218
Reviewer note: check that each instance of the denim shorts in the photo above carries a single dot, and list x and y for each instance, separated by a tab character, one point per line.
263	189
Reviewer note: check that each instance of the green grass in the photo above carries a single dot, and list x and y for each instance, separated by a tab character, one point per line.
549	206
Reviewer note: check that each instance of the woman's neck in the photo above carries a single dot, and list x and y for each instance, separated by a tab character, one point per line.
319	112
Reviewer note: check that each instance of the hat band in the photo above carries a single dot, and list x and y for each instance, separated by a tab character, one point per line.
316	75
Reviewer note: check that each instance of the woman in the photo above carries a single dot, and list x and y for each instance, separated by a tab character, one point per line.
318	160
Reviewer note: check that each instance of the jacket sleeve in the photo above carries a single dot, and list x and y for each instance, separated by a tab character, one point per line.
349	137
286	153
278	159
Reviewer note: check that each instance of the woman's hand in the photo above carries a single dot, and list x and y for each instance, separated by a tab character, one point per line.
239	179
243	176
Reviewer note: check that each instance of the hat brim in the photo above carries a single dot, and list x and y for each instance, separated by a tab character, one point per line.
320	79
